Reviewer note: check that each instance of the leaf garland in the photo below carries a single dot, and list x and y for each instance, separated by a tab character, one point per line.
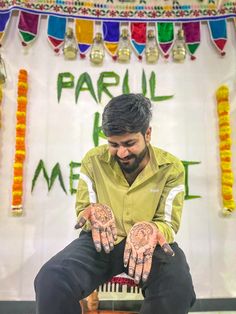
102	86
39	168
125	85
73	176
97	130
56	172
84	78
152	83
144	83
64	80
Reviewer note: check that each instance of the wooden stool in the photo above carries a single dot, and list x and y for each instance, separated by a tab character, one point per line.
91	303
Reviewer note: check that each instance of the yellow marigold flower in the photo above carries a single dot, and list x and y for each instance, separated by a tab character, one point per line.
229	176
222	93
20	152
225	129
225	153
226	165
224	121
20	114
230	204
22	84
18	179
19	193
20	126
17	165
223	106
225	145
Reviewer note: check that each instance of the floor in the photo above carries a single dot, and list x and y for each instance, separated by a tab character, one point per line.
112	312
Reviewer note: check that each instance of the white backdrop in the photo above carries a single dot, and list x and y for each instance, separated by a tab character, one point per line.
185	125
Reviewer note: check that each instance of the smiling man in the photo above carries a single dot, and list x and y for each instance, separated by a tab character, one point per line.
129	203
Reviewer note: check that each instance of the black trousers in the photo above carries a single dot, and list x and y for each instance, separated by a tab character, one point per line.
77	270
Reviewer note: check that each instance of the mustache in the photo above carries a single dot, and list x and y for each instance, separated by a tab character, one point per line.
126	158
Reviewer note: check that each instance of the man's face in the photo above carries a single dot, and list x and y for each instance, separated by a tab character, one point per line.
130	150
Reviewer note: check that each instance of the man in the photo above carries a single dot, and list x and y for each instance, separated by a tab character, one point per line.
129	202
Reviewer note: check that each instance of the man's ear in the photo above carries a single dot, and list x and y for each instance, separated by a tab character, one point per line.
148	135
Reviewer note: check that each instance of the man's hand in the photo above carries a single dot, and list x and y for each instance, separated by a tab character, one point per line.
140	245
103	226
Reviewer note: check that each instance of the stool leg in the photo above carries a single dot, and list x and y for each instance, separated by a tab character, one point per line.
93	301
83	309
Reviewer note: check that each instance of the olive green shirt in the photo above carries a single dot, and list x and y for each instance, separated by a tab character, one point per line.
156	195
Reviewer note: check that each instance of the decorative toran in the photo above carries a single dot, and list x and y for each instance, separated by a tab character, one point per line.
227	178
17	187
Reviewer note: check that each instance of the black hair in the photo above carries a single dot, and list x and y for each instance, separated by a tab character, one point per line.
129	113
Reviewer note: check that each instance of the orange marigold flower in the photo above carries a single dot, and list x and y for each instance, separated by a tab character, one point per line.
16	199
20	132
22	106
17	186
21	119
18	172
22	91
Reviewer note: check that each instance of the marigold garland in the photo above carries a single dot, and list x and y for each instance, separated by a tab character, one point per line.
227	178
17	186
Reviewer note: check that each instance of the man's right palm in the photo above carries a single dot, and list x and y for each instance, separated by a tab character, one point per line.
102	220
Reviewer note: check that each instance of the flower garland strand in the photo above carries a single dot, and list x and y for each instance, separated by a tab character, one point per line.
227	178
17	187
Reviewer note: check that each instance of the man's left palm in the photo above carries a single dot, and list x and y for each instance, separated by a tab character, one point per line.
140	245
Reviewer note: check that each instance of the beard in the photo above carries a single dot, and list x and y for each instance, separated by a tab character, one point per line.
133	166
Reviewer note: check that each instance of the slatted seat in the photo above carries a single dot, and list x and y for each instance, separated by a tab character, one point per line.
121	283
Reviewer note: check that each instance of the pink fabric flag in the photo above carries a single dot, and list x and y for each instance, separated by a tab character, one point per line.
28	27
192	36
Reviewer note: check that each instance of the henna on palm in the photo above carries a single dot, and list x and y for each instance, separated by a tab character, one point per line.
140	245
103	225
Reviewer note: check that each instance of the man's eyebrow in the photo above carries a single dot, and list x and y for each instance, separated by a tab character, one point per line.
123	143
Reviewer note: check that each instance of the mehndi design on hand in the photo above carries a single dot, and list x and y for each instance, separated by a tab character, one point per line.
140	245
102	220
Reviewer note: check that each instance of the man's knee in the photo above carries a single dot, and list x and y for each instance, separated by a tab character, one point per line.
54	280
48	279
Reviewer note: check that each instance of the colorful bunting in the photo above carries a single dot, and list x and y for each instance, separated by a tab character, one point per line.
56	31
84	33
218	33
165	37
4	19
138	37
111	35
192	37
28	27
